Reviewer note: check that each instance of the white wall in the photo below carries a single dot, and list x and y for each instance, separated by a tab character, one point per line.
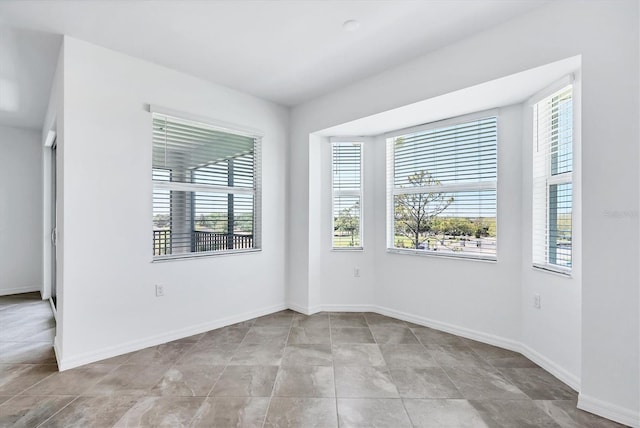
332	285
480	296
430	289
20	211
606	35
108	286
552	334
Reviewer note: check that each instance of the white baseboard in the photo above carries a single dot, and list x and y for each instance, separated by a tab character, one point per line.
66	363
449	328
341	308
56	350
610	411
453	329
299	308
570	379
512	345
19	290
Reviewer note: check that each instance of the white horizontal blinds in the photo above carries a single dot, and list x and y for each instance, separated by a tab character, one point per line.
347	194
444	189
552	180
205	182
454	154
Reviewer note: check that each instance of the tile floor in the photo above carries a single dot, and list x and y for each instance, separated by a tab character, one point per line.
281	370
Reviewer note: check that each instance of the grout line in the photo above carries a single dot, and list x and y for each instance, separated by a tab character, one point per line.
273	388
333	365
63	407
189	346
38	382
208	395
237	346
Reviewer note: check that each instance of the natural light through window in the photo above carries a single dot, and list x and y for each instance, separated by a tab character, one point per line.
442	181
205	189
552	181
347	195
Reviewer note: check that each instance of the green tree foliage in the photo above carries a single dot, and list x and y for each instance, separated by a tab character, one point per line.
346	222
453	226
415	213
161	221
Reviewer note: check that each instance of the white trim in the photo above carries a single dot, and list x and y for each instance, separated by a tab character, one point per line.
201	254
354	193
341	308
453	329
541	183
349	139
394	190
553	368
444	122
53	309
56	351
67	363
196	187
610	411
217	124
299	308
568	378
51	137
429	253
255	191
47	211
554	87
553	269
447	188
20	290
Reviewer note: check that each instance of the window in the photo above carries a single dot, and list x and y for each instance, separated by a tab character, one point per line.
347	195
552	181
441	194
206	190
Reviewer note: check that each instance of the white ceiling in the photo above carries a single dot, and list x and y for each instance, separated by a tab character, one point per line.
27	64
284	51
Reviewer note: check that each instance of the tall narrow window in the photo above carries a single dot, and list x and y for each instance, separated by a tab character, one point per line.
441	194
552	180
206	189
347	195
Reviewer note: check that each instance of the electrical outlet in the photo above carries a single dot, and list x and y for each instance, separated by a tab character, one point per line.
159	290
536	301
356	272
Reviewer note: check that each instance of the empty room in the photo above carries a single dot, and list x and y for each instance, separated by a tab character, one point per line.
320	213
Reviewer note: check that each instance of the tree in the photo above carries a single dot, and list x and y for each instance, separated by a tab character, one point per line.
161	220
415	212
202	221
346	222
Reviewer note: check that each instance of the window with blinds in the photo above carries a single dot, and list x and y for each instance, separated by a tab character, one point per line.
206	189
442	181
552	181
347	195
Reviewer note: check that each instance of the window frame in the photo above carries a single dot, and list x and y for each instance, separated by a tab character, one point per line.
359	193
550	179
391	189
192	188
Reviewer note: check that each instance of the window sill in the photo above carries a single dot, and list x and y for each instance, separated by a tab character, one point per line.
195	256
553	270
347	249
425	253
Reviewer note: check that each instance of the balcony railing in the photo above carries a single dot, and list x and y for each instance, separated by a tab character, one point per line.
161	242
199	241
